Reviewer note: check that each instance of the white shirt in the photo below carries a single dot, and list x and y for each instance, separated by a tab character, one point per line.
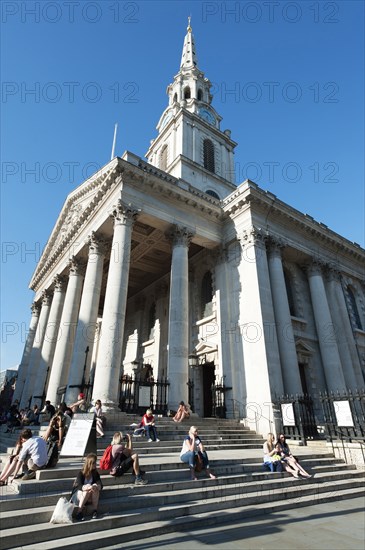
36	449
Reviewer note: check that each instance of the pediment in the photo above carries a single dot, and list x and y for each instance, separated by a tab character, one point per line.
303	347
204	347
76	211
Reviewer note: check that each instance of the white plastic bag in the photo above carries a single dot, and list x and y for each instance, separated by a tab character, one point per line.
63	511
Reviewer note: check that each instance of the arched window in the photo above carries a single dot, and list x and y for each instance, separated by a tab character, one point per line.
289	293
151	321
354	309
208	154
200	95
187	93
207	295
163	158
212	194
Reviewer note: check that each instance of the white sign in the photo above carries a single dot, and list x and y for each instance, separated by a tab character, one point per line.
287	414
343	414
77	435
144	396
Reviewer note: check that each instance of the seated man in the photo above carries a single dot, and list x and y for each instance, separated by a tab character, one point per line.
33	455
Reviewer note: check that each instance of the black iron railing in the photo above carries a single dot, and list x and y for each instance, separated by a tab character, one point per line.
137	395
344	414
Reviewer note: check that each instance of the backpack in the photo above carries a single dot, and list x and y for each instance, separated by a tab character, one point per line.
52	453
106	460
123	467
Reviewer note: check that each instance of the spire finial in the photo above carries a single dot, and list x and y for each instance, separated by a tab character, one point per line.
189	29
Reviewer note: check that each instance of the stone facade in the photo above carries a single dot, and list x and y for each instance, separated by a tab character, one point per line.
150	262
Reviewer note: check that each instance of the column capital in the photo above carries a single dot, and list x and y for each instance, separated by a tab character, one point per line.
97	245
76	267
46	297
124	214
253	236
180	236
314	268
275	245
59	283
35	309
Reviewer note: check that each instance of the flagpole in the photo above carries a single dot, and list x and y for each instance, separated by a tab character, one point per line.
114	140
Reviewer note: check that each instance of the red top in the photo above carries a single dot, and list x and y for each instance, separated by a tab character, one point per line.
147	419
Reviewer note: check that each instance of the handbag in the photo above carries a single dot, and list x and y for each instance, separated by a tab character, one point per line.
198	463
63	511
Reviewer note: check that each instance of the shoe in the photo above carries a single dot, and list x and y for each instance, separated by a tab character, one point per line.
2	483
157	440
150	440
18	476
140	481
29	475
95	515
80	516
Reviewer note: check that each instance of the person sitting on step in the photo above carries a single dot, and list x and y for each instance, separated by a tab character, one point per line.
11	463
57	428
193	451
99	417
148	422
182	412
33	455
289	459
122	450
88	484
269	452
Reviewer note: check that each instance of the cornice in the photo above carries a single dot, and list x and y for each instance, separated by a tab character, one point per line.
103	180
249	193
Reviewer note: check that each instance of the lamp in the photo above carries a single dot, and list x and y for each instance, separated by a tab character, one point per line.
193	360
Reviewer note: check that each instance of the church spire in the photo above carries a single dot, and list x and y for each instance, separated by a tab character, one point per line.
189	58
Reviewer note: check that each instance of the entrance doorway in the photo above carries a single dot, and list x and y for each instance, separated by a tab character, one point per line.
208	380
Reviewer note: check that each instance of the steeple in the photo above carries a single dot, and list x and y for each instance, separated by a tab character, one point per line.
190	144
189	58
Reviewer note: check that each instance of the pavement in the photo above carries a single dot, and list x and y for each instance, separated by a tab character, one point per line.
330	526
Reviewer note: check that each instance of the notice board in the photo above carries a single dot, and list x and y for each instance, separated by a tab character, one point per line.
81	436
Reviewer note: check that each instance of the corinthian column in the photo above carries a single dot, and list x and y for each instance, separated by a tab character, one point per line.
66	337
86	326
106	383
325	330
50	339
284	328
178	338
35	355
347	348
23	367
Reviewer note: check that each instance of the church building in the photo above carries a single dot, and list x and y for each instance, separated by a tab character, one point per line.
166	264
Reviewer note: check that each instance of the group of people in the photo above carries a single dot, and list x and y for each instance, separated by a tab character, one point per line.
31	452
278	457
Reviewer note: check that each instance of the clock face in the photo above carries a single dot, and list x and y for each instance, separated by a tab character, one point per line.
207	115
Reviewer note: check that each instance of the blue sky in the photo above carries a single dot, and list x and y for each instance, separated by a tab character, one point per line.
288	79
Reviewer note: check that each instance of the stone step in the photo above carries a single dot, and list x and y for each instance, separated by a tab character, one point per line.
165	473
160	494
176	515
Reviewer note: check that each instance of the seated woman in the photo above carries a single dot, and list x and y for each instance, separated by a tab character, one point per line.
192	449
121	453
148	422
182	412
57	428
88	485
289	459
269	452
11	463
100	418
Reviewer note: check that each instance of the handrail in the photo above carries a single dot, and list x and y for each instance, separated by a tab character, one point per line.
349	439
